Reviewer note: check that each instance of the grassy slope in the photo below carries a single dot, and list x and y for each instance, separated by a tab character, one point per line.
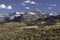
13	31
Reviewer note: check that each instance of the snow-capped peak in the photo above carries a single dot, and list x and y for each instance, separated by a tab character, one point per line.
53	14
31	13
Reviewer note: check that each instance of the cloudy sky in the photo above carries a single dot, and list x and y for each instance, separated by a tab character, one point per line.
10	6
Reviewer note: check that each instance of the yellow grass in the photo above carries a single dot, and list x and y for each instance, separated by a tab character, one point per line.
14	31
28	27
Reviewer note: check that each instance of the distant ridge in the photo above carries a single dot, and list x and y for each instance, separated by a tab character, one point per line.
28	16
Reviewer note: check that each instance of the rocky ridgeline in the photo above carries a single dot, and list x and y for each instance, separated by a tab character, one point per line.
21	16
28	16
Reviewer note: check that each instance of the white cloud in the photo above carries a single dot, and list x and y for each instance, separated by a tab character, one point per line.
37	4
27	7
49	8
32	2
41	3
54	5
51	4
9	7
27	1
2	6
23	4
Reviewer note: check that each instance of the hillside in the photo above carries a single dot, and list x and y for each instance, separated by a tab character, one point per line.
16	31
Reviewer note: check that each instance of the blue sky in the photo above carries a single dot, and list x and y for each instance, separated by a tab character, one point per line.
47	6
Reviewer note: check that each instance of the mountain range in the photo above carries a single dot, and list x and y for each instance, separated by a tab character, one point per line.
28	16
